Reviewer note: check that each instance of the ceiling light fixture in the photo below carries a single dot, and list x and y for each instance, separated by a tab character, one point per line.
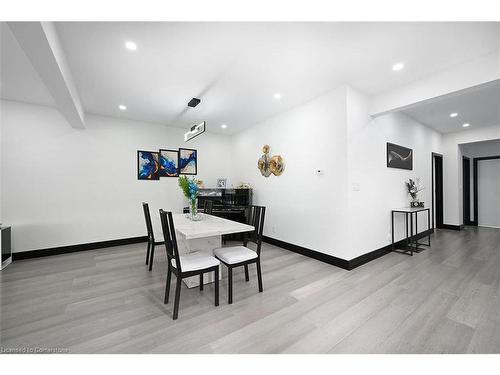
466	125
194	102
195	131
398	66
122	107
223	126
130	45
454	114
277	96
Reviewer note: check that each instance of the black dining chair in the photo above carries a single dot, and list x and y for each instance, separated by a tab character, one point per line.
186	265
152	241
209	205
237	256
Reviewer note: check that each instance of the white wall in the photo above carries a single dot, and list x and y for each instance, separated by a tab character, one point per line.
381	188
336	134
302	208
452	168
63	186
1	183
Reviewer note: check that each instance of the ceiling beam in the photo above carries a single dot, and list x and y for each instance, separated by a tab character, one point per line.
464	76
41	44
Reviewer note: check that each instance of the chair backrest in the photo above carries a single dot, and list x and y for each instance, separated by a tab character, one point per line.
167	225
256	216
149	225
209	205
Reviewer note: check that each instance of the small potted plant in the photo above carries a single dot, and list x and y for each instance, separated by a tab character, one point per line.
414	187
190	189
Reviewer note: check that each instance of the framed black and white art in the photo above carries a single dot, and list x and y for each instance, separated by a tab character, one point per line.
399	157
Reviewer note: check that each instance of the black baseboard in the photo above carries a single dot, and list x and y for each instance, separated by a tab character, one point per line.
339	262
451	227
365	258
74	248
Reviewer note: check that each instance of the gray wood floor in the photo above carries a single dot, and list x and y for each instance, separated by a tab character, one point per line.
444	300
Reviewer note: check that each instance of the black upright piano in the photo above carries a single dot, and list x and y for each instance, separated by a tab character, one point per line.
231	204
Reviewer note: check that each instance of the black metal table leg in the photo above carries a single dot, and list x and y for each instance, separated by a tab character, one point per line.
416	232
411	234
429	225
406	225
392	229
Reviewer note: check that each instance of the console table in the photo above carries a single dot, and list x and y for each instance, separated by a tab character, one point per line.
412	244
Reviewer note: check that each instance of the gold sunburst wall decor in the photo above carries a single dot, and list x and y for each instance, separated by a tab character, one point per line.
270	165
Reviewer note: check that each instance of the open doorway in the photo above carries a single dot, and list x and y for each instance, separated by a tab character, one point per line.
466	190
437	190
481	183
486	186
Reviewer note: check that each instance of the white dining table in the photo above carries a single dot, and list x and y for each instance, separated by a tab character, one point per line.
204	235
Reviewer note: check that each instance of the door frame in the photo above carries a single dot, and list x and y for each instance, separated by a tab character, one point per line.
475	166
433	156
466	191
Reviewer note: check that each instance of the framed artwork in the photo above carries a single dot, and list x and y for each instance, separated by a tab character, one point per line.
399	157
169	163
221	183
147	165
188	161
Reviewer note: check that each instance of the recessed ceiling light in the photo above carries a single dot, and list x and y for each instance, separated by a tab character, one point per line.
130	45
454	114
223	126
398	66
277	96
122	107
466	125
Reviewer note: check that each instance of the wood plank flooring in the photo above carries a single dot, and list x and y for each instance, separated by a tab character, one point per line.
443	300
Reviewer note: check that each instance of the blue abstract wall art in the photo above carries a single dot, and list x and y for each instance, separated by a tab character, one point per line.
188	161
169	160
147	165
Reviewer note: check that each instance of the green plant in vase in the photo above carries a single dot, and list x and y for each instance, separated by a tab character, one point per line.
190	189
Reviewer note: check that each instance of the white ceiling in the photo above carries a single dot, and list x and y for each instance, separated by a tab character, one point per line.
478	106
19	80
235	68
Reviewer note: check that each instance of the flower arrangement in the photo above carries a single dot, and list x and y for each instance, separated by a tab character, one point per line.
190	189
414	187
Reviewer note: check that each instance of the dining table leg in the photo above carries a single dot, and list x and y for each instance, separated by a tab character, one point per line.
205	244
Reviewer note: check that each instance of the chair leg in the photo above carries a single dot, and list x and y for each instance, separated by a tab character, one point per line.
147	253
201	281
229	285
247	278
217	286
259	276
177	297
151	256
167	286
